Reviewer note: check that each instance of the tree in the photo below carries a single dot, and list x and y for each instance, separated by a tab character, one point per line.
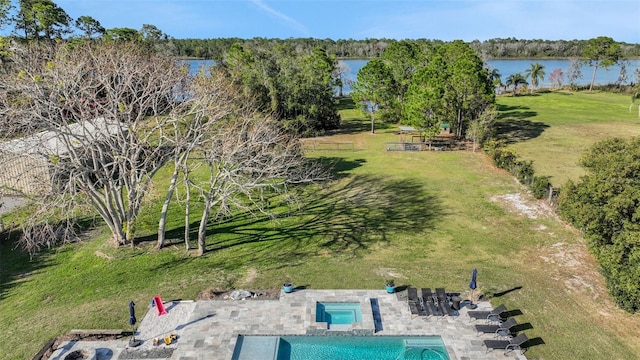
122	34
109	107
42	19
623	76
250	158
496	78
575	71
515	80
453	87
213	99
5	10
535	73
480	129
295	88
89	26
556	77
601	52
339	76
605	204
402	58
373	83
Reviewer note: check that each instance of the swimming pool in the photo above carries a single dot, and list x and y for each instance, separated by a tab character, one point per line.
340	347
338	313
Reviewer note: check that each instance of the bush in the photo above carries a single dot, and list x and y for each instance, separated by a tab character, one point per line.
540	186
523	171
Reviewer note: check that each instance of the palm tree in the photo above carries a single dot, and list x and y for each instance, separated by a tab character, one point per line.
495	77
516	80
535	72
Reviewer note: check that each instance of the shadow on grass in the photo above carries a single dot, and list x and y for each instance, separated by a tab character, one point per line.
345	218
533	342
503	293
521	327
340	166
512	131
16	265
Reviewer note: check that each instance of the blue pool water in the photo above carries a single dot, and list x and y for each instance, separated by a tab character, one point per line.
341	347
338	313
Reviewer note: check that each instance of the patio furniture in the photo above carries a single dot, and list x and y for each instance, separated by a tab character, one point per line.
494	315
430	302
502	330
415	305
443	301
507	345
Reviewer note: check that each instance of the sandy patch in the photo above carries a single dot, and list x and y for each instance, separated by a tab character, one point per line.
533	209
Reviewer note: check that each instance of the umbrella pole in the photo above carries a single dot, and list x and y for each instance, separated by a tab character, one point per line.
133	342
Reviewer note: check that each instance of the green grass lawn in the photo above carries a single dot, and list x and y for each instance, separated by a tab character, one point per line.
553	129
424	218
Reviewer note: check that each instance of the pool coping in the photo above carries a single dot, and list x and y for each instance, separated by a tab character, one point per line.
209	329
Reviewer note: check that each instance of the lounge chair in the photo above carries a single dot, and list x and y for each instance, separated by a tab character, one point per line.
443	301
429	303
507	345
414	302
494	315
502	330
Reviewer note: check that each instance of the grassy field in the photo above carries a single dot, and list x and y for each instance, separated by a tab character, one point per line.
423	218
553	129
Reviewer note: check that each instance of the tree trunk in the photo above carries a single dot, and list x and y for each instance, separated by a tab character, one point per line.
202	230
187	210
373	123
593	77
165	208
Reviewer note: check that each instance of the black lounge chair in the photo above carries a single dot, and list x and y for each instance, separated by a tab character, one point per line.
414	302
507	345
502	330
429	303
443	301
494	315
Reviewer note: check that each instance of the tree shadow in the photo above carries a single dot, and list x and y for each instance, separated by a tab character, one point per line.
346	218
512	130
339	166
16	266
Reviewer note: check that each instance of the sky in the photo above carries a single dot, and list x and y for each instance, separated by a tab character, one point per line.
446	20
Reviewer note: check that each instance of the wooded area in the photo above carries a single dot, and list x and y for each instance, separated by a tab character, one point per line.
371	48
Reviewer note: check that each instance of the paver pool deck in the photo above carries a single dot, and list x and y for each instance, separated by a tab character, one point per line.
208	329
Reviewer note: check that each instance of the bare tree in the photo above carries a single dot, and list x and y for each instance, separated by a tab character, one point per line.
250	158
101	113
213	100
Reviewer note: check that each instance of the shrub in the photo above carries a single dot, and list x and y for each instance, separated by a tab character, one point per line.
540	186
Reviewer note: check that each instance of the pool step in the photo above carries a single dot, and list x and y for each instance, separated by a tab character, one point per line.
256	347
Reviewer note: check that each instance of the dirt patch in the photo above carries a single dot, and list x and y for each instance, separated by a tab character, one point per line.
533	209
218	294
575	267
388	273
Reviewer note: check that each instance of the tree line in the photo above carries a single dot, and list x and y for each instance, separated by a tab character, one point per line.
371	48
45	20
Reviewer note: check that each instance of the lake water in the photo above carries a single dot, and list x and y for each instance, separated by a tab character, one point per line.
506	68
509	67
